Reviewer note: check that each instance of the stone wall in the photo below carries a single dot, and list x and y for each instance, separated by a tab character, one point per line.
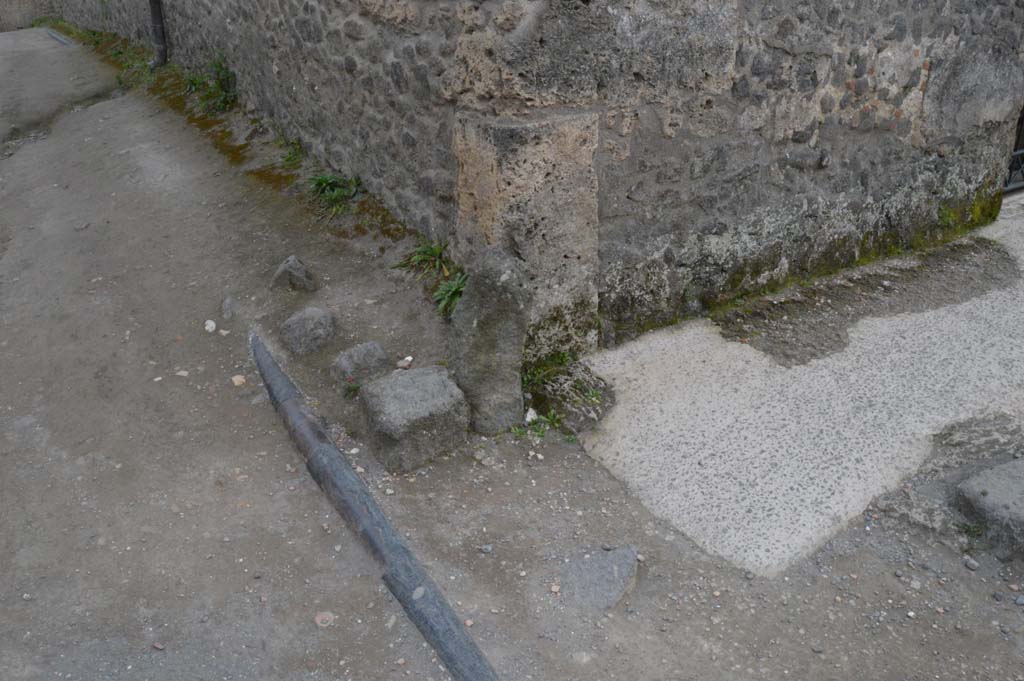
357	81
644	158
15	14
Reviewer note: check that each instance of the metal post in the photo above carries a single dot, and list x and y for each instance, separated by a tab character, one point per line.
156	9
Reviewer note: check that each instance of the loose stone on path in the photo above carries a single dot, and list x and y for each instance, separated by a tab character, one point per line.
294	274
415	415
308	330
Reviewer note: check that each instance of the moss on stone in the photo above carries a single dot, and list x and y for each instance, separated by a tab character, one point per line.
567	328
953	220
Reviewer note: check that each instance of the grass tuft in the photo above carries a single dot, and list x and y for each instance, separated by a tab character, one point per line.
449	292
334	192
428	259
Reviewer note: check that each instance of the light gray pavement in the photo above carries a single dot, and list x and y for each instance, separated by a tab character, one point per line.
42	77
760	463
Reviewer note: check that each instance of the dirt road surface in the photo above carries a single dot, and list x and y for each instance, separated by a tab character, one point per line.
155	522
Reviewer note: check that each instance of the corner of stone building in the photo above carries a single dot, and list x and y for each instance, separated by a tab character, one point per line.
528	186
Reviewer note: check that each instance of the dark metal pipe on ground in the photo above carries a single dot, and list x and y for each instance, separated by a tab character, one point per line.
404	575
156	10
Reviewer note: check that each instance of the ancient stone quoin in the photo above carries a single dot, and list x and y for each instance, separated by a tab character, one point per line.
644	159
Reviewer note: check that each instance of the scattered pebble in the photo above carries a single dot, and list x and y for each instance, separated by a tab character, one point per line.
554	588
158	646
971	564
26	597
405	363
183	374
469	623
238	380
210	326
324	619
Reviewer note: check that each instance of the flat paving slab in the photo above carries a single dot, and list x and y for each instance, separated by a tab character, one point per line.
42	77
760	463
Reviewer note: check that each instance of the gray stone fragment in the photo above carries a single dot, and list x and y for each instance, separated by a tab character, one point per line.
600	581
414	416
294	274
486	341
996	496
307	331
360	363
228	308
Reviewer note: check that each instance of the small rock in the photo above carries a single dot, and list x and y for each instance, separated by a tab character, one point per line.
469	623
971	564
294	274
602	580
486	548
238	380
555	589
360	363
182	373
911	614
915	584
158	646
308	330
324	619
1014	587
817	648
26	597
414	416
998	596
405	362
1019	600
210	326
227	309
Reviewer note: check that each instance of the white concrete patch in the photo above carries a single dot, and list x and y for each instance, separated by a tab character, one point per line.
761	464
